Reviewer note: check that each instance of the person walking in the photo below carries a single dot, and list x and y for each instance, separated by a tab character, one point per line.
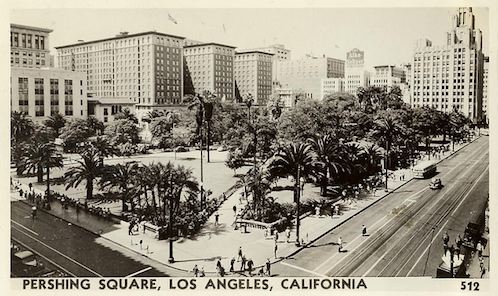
234	210
479	249
243	263
287	233
232	262
339	242
250	265
216	218
276	236
201	272
363	230
130	228
33	212
275	250
195	271
239	254
268	265
218	264
446	239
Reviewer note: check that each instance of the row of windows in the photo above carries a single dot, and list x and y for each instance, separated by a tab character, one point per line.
27	40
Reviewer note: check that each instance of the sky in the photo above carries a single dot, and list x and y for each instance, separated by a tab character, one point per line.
387	35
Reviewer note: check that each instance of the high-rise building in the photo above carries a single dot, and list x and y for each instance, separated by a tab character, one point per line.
252	71
306	74
331	85
280	53
41	93
29	47
485	115
209	67
406	83
146	68
355	74
450	77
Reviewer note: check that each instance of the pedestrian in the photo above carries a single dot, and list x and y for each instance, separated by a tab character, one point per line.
479	249
446	239
337	210
216	218
481	267
239	254
364	230
21	192
268	265
339	242
250	265
275	250
234	210
130	229
218	264
332	209
261	272
232	262
195	271
243	263
201	272
33	212
287	233
276	236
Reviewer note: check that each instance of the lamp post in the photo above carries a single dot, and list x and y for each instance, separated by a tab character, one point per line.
298	220
171	259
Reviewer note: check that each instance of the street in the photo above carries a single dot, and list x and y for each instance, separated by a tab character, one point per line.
77	251
405	228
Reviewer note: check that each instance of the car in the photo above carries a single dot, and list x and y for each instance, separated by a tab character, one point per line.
181	149
436	183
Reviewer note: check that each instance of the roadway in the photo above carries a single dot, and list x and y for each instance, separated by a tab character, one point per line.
77	251
405	228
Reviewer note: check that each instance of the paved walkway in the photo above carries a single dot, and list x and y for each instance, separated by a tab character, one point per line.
222	241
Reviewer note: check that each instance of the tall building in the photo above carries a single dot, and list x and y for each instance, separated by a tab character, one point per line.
355	74
450	77
331	85
306	74
41	93
485	115
280	53
29	47
146	68
252	71
406	83
209	67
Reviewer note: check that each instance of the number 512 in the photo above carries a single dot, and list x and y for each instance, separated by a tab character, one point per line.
470	286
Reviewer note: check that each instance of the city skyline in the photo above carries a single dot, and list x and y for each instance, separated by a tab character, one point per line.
289	27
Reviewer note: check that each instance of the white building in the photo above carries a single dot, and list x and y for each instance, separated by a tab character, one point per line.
252	71
280	53
42	92
450	77
331	85
387	76
355	73
485	102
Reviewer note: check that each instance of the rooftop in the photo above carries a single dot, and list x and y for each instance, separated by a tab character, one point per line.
207	44
121	36
254	51
111	101
30	28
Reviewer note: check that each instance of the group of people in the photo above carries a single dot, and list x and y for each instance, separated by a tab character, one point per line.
455	249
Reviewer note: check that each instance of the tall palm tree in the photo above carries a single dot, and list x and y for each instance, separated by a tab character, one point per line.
371	156
203	104
327	153
21	128
258	182
87	169
121	176
248	100
104	148
296	160
55	122
386	130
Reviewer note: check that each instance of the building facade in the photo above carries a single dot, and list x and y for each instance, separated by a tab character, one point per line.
485	102
305	75
280	53
41	93
331	85
450	77
29	47
253	75
146	68
355	74
209	67
105	109
387	76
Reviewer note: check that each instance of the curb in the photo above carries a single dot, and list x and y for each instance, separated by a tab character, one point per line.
368	206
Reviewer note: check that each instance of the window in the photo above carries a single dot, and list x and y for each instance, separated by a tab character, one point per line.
23	95
39	97
68	97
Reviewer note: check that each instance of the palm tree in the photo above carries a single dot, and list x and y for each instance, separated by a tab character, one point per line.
56	122
248	100
327	153
126	114
204	113
258	182
387	129
371	155
120	176
88	169
296	160
21	128
104	148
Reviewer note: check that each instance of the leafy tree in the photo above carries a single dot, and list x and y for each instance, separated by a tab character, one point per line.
127	115
39	155
21	129
274	106
56	122
161	128
235	160
95	125
122	131
76	132
425	123
88	168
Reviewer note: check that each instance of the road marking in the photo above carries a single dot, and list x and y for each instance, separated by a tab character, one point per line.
360	236
24	227
386	252
302	269
139	272
437	234
52	249
46	258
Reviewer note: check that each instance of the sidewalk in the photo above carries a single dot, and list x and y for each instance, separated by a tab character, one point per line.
222	241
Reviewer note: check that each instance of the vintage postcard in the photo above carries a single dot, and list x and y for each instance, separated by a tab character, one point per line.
249	147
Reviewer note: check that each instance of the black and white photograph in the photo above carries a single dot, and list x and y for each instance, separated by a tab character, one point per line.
250	142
